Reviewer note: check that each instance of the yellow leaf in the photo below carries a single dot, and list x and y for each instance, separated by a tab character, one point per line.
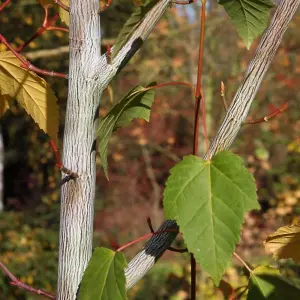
63	14
4	103
31	91
285	242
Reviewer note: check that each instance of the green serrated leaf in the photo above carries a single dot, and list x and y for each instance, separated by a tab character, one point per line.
131	24
250	17
208	199
266	283
136	104
104	278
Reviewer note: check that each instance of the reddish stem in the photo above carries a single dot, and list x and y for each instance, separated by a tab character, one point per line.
198	97
59	3
57	157
198	90
4	4
58	28
27	65
106	6
144	237
41	30
16	282
276	112
169	248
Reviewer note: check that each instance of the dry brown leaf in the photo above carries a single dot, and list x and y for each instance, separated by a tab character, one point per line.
285	242
31	91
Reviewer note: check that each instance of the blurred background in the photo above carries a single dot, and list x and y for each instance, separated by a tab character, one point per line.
141	155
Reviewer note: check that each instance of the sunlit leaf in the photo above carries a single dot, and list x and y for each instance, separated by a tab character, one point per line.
31	91
131	24
265	283
285	243
208	199
63	14
136	104
250	17
104	278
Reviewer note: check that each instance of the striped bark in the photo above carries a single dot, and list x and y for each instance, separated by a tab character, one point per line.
231	125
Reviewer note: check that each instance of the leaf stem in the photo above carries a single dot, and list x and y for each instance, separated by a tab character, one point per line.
4	4
27	65
243	262
16	282
276	112
144	237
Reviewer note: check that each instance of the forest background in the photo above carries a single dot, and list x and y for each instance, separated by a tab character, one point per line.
141	155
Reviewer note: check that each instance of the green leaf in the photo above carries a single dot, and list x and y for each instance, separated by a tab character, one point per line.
131	24
266	283
135	104
250	17
208	199
104	278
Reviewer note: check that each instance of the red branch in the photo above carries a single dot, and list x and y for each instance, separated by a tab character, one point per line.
58	28
144	237
46	26
4	4
169	248
57	157
27	65
106	6
16	282
276	112
198	90
59	164
198	97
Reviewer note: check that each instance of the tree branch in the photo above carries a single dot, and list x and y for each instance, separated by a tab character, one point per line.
103	72
236	114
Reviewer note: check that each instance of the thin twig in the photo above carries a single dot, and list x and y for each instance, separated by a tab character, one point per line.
56	28
146	236
16	282
106	6
27	65
276	112
223	96
243	262
70	174
4	4
170	248
63	6
41	30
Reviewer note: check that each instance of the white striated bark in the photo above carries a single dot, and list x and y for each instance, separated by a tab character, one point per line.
77	197
89	75
236	114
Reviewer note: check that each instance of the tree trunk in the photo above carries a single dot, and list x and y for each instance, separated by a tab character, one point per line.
77	197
